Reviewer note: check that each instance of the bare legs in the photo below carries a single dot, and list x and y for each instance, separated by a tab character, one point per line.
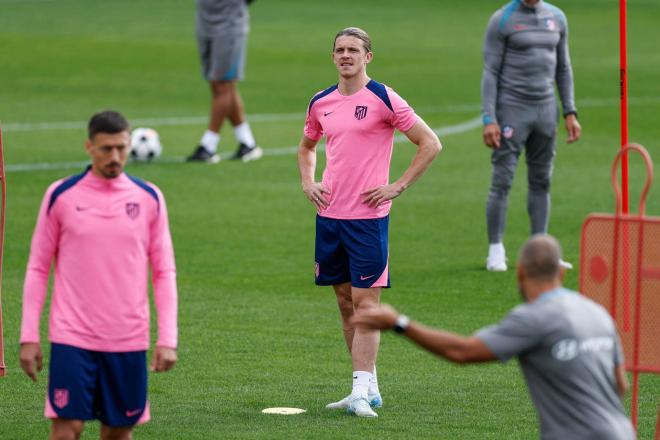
70	429
362	344
226	102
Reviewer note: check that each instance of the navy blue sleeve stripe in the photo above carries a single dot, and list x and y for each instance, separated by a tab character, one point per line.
142	184
65	185
321	95
379	90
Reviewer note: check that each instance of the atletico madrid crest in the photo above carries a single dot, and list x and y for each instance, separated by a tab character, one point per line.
132	210
360	112
60	397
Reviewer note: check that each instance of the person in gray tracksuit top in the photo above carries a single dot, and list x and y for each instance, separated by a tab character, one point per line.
525	53
567	346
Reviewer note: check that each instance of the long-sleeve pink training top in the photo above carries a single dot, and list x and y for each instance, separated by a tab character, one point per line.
103	235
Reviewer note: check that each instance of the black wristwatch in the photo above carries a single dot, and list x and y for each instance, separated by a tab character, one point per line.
402	323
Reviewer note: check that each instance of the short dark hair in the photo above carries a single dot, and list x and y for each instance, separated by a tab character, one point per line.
357	33
107	121
540	257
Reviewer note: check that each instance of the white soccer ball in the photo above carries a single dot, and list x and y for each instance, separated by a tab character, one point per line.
145	144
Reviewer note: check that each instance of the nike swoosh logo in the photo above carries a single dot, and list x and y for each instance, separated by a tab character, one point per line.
328	113
82	208
366	278
133	413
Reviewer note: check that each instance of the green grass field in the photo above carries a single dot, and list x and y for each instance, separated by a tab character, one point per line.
254	330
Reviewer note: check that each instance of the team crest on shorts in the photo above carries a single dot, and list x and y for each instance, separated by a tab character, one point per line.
132	210
360	112
507	131
61	397
550	24
317	269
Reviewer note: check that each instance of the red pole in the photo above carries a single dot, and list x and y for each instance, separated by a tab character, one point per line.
3	193
623	61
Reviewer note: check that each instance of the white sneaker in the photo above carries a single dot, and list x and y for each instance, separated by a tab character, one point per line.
375	401
361	408
496	261
565	264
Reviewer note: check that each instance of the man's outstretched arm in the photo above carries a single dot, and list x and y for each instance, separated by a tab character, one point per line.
451	346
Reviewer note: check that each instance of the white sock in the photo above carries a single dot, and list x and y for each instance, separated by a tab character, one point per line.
496	248
360	384
373	383
244	135
210	141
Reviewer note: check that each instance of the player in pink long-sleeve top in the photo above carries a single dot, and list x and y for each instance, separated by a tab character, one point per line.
358	116
103	229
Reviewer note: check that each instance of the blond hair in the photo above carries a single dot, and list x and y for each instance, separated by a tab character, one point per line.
357	33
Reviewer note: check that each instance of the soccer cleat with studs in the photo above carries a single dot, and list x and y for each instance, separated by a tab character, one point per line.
246	154
201	154
361	408
375	400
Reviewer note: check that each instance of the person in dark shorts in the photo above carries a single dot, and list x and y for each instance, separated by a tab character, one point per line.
222	30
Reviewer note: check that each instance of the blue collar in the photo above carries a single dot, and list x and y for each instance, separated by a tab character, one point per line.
552	293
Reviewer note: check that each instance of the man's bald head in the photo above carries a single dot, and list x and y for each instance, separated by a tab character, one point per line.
539	258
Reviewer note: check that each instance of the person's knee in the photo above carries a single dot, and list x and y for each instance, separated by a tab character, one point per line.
501	182
345	306
366	299
538	180
222	87
109	433
64	429
344	299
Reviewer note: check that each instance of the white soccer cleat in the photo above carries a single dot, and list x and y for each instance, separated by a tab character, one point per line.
375	400
361	408
565	264
340	404
496	261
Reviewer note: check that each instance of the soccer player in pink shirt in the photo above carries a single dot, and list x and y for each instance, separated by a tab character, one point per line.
103	229
358	116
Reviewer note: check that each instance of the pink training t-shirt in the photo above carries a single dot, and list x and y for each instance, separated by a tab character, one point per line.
360	134
103	234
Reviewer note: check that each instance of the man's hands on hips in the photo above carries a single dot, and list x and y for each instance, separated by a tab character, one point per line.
572	127
380	317
377	196
163	359
492	135
31	359
316	193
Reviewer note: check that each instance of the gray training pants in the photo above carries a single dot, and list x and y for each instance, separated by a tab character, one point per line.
532	127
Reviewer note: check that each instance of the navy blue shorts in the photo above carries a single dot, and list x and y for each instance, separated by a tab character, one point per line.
87	385
352	250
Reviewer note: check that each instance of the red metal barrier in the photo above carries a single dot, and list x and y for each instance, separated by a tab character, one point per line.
620	269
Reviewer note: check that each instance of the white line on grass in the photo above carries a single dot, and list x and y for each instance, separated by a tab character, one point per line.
275	117
280	151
